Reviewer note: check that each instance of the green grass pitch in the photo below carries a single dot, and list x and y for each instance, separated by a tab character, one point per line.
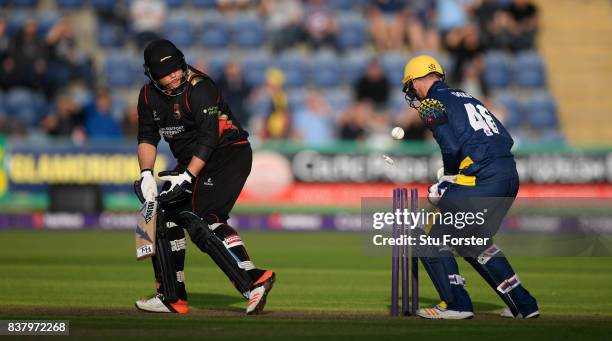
326	289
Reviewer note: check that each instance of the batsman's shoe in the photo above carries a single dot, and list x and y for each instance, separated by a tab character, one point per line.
440	312
259	293
508	313
157	304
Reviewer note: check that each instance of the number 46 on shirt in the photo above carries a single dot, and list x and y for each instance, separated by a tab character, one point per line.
481	119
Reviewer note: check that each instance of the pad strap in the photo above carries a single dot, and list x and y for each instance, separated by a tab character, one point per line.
507	285
487	254
456	280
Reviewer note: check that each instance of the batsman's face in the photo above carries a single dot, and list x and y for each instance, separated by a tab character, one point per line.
173	80
420	88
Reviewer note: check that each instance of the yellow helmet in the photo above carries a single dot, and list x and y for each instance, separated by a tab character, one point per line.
421	66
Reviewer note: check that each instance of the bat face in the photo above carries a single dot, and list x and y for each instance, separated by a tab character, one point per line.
145	230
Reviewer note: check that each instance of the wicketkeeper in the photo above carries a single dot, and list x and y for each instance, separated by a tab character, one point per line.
479	175
214	159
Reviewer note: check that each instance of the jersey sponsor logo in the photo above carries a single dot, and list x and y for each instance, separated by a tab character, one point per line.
170	132
155	116
208	182
213	110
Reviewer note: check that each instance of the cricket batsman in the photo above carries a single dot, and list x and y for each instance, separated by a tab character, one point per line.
478	163
214	159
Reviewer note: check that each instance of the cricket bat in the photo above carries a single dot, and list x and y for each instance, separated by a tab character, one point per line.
145	230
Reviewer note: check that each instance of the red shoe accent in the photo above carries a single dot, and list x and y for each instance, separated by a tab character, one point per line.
254	298
180	306
263	277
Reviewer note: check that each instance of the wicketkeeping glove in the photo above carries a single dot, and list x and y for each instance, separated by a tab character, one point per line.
437	190
180	186
145	187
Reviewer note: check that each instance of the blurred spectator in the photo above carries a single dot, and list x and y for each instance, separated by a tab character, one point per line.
471	81
373	86
236	91
4	39
313	123
387	21
283	19
234	5
277	122
451	14
320	24
99	121
525	23
491	22
129	126
354	120
66	120
7	66
409	120
420	26
66	61
465	47
147	17
26	63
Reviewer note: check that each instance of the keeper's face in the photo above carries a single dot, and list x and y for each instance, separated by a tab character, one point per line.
172	80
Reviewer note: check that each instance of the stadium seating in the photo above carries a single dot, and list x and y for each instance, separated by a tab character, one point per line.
212	38
529	70
119	69
46	21
353	65
70	4
295	67
540	111
352	31
179	30
25	105
25	3
497	70
109	35
338	99
513	108
103	5
343	5
397	101
325	70
206	4
175	3
2	106
216	63
393	64
214	32
16	20
248	31
254	66
296	99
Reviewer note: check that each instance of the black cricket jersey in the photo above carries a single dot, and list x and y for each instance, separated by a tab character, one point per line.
194	123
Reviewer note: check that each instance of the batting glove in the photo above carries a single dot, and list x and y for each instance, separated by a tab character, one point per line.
180	186
146	187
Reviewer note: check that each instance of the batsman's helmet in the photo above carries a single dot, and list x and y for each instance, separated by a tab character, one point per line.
418	67
421	66
161	58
